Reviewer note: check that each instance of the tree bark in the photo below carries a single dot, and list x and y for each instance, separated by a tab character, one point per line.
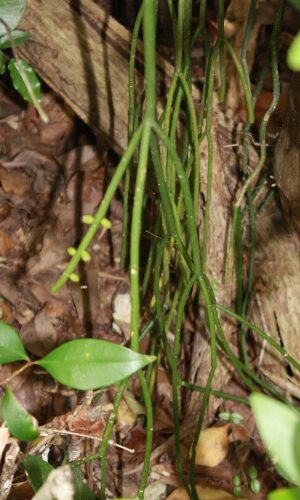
82	53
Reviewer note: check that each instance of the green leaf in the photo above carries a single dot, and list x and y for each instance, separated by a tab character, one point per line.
285	494
296	3
279	427
18	82
11	12
37	470
18	37
11	347
293	55
20	423
82	491
2	63
91	363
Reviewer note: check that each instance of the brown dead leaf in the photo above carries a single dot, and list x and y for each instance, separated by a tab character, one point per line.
83	157
91	189
85	419
54	136
204	492
15	182
125	419
134	405
6	243
46	329
6	313
163	420
29	389
212	446
5	208
53	251
136	440
21	490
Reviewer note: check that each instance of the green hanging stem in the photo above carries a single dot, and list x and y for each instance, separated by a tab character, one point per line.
132	113
106	436
220	43
244	80
149	27
101	212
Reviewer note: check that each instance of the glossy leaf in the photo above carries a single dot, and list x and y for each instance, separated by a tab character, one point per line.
11	12
285	494
279	427
11	347
20	423
91	363
37	470
293	55
18	37
18	81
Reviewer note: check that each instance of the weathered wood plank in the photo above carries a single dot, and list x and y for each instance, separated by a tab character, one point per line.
82	53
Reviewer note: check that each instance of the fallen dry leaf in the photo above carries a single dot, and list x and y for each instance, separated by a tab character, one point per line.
6	312
85	419
126	419
155	491
135	406
204	492
212	446
5	208
83	157
6	243
46	329
15	182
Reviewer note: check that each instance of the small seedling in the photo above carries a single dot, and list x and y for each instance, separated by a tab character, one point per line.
237	490
254	482
233	417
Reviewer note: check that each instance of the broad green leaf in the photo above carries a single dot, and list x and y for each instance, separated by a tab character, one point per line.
11	347
20	423
37	470
285	494
11	12
82	491
91	363
2	63
293	55
18	82
18	37
296	3
279	427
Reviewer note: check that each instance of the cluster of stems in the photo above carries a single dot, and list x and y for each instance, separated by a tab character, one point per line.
157	148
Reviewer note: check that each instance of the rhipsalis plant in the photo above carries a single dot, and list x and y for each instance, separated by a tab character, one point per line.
164	149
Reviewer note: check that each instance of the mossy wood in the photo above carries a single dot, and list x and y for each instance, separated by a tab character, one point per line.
82	53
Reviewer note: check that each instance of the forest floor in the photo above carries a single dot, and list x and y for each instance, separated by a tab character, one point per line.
50	175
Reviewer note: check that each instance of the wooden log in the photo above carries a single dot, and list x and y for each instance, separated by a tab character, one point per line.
82	53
